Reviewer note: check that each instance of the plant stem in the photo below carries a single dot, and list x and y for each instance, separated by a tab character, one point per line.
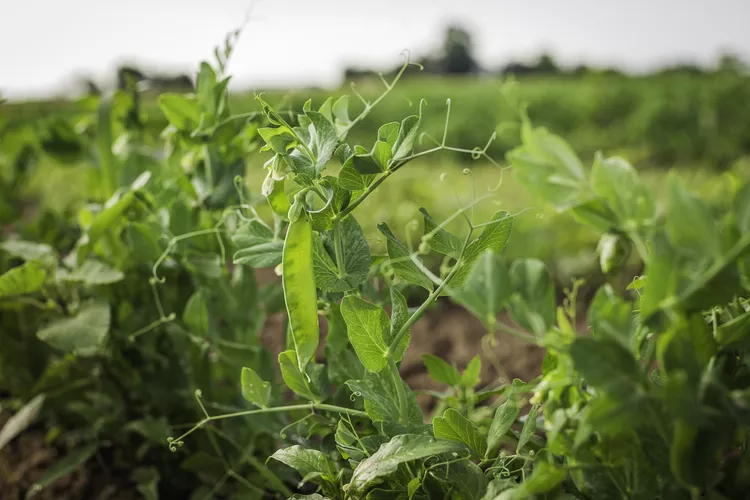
428	302
174	442
338	248
403	412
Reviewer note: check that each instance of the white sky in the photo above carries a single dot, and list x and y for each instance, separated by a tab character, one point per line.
44	44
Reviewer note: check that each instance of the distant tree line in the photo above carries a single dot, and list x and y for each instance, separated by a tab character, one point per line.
456	56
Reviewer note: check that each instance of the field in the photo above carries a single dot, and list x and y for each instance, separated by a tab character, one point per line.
191	284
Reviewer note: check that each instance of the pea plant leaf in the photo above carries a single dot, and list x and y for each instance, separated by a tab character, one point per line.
26	278
532	304
300	294
407	137
440	371
438	238
255	389
94	272
400	449
494	237
307	462
355	256
454	426
399	317
618	184
548	168
257	245
29	250
19	422
505	415
690	226
400	260
487	288
83	334
381	398
471	375
294	378
368	326
528	429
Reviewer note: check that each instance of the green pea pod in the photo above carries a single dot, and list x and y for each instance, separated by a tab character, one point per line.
299	289
278	200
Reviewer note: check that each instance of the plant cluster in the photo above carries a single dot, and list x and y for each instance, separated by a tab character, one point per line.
652	402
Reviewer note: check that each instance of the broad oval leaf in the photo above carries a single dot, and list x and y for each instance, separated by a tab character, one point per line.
454	426
400	449
26	278
83	334
368	326
255	389
401	261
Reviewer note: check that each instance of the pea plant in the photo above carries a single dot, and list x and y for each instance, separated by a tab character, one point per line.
114	315
653	402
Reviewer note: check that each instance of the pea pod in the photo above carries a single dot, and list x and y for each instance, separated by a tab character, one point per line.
299	289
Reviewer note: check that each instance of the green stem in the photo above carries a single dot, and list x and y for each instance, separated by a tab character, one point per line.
338	248
428	302
349	209
174	442
400	391
369	106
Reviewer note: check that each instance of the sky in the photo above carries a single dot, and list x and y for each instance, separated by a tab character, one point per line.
46	44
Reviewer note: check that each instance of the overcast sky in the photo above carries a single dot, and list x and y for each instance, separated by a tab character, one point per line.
45	43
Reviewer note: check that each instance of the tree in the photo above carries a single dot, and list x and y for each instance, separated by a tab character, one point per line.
457	54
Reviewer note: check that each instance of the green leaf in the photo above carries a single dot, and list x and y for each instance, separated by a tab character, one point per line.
181	111
368	326
21	421
355	255
454	426
401	261
351	180
153	429
340	111
365	164
381	398
268	254
612	317
548	168
382	155
742	208
471	375
26	278
462	479
400	449
195	316
529	428
84	334
690	226
605	364
105	220
293	378
307	462
399	317
28	250
206	85
617	182
735	333
493	237
278	200
324	139
355	447
388	133
545	478
255	389
407	136
438	238
486	290
505	415
532	303
347	365
146	481
299	289
279	139
94	272
63	467
440	371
